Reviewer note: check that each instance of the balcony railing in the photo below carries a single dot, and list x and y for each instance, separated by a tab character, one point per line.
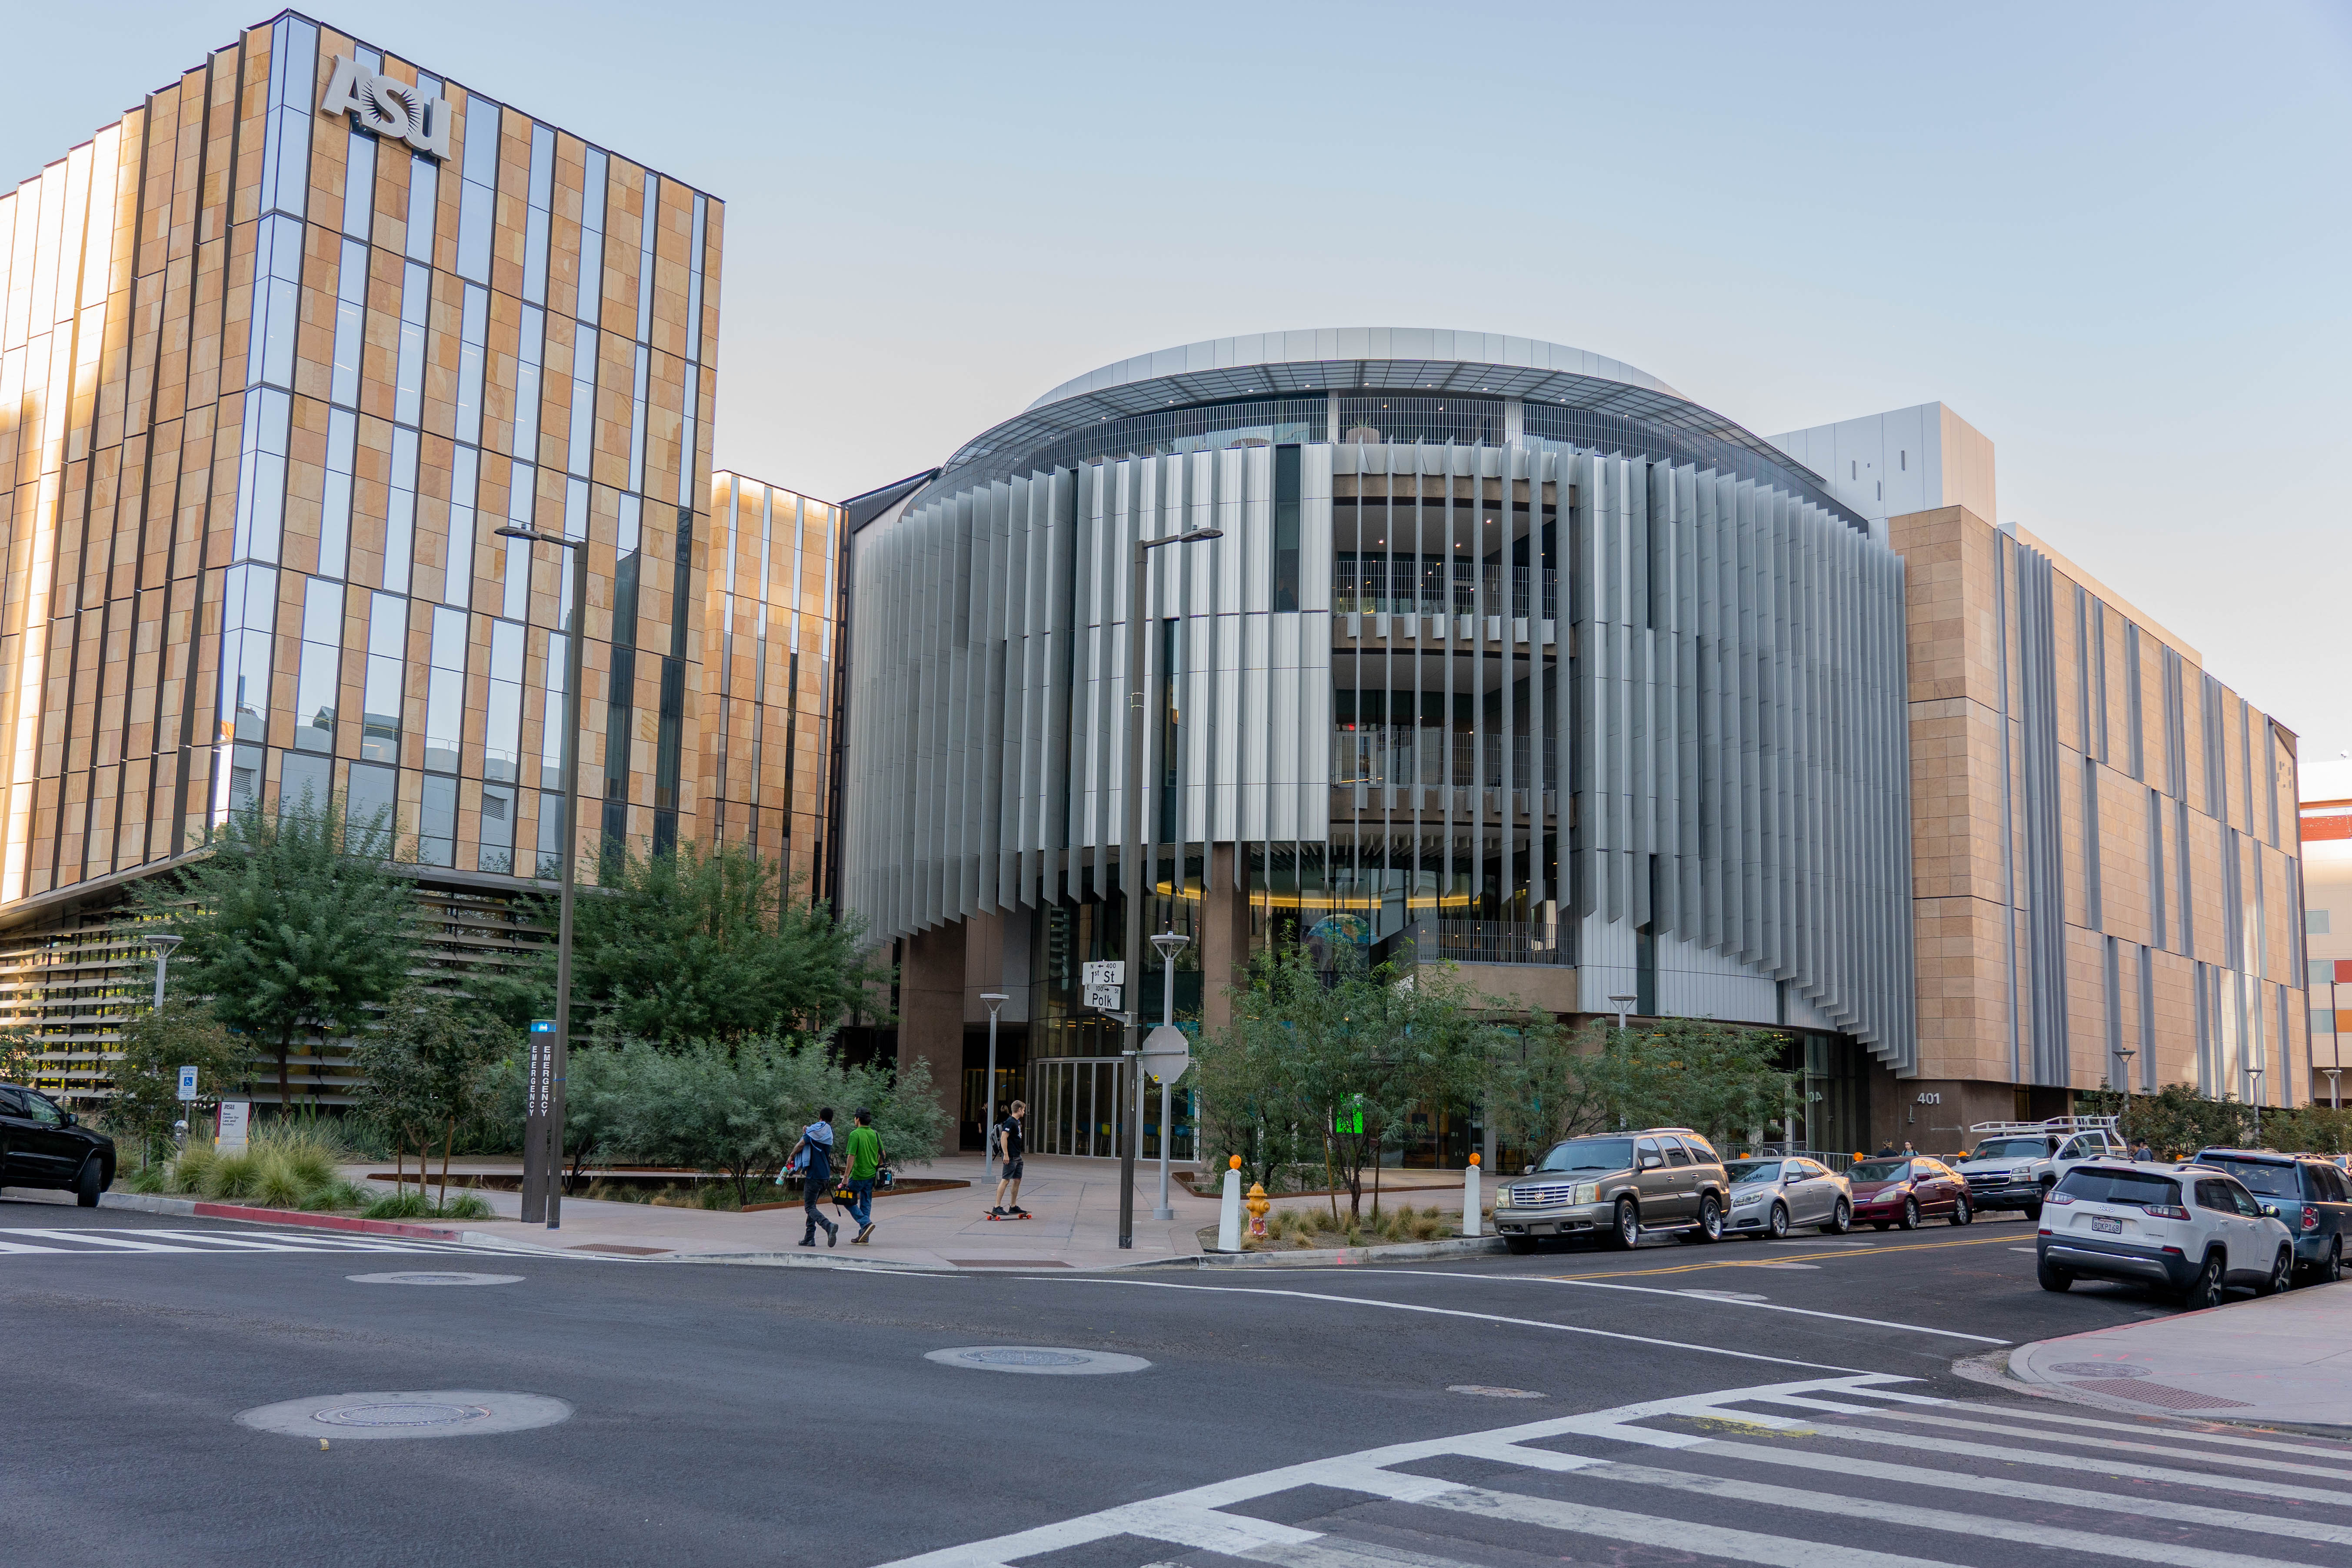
1374	585
1405	756
1439	941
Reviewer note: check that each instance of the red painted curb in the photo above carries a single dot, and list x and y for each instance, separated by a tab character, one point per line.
324	1221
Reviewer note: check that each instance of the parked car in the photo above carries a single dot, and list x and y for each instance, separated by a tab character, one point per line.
1617	1188
2308	1194
2015	1163
44	1145
1771	1194
2188	1230
1907	1190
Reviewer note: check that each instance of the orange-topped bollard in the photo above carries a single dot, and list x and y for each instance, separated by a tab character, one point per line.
1257	1207
1472	1211
1229	1208
1234	1161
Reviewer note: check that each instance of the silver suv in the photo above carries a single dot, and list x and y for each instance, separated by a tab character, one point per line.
1617	1186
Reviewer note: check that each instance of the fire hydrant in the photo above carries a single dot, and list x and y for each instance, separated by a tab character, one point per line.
1258	1206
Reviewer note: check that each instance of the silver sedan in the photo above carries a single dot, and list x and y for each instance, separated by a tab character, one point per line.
1770	1195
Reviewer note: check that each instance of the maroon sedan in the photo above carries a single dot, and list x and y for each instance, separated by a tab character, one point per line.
1905	1191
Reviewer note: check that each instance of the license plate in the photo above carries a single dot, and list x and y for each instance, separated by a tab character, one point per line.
2112	1226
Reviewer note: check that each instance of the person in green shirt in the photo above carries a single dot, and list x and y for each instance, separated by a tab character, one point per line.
863	1150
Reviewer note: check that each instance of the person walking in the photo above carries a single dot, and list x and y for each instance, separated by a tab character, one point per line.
2143	1151
814	1151
1010	1136
863	1152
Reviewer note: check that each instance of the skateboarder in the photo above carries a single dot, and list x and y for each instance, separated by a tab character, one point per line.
1010	1140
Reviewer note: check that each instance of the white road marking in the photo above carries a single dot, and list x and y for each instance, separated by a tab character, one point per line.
1453	1312
120	1243
2137	1504
102	1239
1727	1299
2032	1413
2325	1472
1845	1505
2114	1467
19	1246
1674	1534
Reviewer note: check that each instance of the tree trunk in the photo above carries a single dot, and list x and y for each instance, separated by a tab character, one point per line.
448	1141
399	1165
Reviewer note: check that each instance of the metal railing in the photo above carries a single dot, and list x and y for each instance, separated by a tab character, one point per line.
1440	940
1406	755
1373	585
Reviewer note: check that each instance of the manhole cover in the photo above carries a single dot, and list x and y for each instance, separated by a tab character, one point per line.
434	1278
1045	1359
1489	1391
2098	1369
1726	1295
404	1414
432	1413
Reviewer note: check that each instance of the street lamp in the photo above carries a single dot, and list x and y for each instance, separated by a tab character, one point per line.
1169	944
163	944
2127	1053
2334	1100
542	1157
2254	1095
1623	1004
995	999
1131	863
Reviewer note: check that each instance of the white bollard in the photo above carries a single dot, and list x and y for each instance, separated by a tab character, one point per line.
1470	1215
1229	1211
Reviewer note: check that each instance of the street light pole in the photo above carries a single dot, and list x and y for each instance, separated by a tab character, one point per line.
163	944
2254	1094
547	1155
995	999
1131	866
1622	1004
2335	1099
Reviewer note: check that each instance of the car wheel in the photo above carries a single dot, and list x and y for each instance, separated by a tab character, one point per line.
1910	1220
1960	1211
2206	1290
2332	1269
1840	1219
89	1184
2051	1277
1519	1245
2282	1274
1627	1231
2033	1211
1777	1224
1710	1222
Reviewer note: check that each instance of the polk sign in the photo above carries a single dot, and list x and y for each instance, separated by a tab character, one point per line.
388	108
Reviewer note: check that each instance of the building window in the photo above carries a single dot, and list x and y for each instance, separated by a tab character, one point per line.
1285	528
436	823
2315	922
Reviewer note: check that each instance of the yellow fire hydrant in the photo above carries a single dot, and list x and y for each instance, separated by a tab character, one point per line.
1258	1206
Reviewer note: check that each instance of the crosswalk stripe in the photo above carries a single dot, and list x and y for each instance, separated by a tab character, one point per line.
101	1238
2116	1467
1845	1505
18	1247
2034	1414
1674	1534
2330	1472
2137	1504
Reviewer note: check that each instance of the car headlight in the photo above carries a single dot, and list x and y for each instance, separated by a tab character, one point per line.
1746	1200
1585	1193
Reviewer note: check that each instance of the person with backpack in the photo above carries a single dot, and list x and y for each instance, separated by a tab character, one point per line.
863	1152
1009	1135
814	1156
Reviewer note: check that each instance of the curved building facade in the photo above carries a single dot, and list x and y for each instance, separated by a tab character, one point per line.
1508	652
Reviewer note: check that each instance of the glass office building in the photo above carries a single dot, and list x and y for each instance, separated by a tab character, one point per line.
282	349
1509	654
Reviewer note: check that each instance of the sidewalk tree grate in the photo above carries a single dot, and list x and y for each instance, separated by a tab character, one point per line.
2156	1393
1049	1359
429	1412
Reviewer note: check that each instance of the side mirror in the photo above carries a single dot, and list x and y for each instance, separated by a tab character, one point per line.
1527	1170
1652	1162
71	1120
2271	1211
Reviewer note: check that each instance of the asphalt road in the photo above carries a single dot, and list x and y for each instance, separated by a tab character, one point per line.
734	1415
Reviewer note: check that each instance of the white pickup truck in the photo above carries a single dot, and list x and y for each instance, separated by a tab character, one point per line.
2013	1165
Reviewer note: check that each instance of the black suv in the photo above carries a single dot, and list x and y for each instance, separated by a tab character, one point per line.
44	1146
2310	1195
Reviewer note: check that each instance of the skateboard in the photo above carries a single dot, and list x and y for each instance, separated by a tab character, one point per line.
1018	1213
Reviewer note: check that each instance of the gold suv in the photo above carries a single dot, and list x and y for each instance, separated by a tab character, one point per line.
1619	1186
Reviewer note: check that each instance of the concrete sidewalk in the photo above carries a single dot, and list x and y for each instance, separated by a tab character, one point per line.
1074	1202
2285	1358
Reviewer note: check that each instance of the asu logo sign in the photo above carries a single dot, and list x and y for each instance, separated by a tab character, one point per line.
388	108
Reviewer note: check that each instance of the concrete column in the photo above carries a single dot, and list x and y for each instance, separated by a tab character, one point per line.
1225	935
930	1011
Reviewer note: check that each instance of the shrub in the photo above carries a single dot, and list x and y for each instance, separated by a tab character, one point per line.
402	1204
229	1177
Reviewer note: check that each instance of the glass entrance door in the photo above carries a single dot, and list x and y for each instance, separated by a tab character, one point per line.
1075	1106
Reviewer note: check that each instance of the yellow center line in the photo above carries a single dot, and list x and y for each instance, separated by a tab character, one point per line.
1793	1258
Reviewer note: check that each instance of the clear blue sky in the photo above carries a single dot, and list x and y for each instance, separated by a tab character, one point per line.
2112	236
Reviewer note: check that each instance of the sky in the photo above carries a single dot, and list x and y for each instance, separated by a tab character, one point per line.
2113	237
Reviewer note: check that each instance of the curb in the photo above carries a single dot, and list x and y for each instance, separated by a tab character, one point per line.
1342	1257
147	1204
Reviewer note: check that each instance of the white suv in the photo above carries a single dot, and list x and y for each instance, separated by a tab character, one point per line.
2189	1228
